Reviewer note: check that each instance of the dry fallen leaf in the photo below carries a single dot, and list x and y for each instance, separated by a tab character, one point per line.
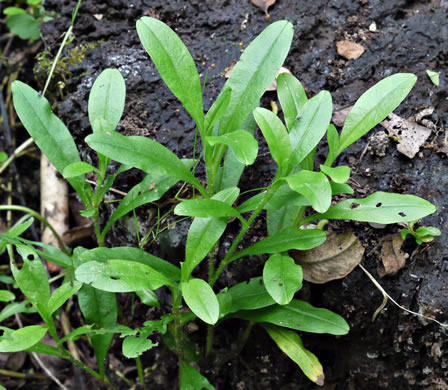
263	4
229	69
392	257
349	50
339	115
334	259
410	135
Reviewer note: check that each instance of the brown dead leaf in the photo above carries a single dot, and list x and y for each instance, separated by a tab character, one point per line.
349	50
334	259
273	86
392	257
229	69
339	115
410	135
263	4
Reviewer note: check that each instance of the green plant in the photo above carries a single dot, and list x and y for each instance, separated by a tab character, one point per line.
25	23
421	234
228	145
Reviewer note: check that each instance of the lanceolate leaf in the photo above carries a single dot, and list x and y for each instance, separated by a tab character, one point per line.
205	208
282	278
62	294
314	186
174	63
380	207
106	100
373	106
291	344
333	144
257	68
242	143
217	110
205	232
190	379
201	299
77	169
292	97
48	132
291	238
21	339
120	276
299	315
339	174
142	153
275	134
310	128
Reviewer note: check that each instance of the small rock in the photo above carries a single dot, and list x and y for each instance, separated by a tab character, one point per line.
349	50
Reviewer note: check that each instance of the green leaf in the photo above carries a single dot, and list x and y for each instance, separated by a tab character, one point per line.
190	379
337	189
16	230
205	232
21	339
205	208
13	11
310	128
48	132
78	332
380	207
99	308
77	169
133	254
134	346
299	315
54	255
24	26
16	308
6	296
150	189
46	349
217	110
174	63
3	157
428	231
120	276
201	299
242	143
290	238
148	297
291	344
433	76
254	72
32	279
333	144
314	186
281	219
275	134
339	174
106	100
282	278
142	153
61	294
292	97
373	106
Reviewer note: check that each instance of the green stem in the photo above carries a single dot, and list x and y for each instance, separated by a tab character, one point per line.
141	376
40	218
210	337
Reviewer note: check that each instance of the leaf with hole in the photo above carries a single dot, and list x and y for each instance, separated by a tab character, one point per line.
282	278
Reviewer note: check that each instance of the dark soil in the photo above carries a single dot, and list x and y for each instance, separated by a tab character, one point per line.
398	350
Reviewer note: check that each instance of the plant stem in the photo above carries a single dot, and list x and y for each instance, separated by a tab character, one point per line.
141	376
210	337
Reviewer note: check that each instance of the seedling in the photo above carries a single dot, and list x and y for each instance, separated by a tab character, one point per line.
228	145
421	234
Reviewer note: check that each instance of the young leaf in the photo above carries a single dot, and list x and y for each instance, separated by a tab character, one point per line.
338	175
133	254
282	278
150	189
275	134
217	110
373	106
314	186
6	296
77	169
61	294
333	143
21	339
16	308
142	153
174	63
205	208
99	308
299	315
205	232
310	128
380	207
257	68
201	299
120	276
283	218
190	379
106	100
148	297
134	346
337	189
242	143
291	238
48	132
292	97
434	77
291	344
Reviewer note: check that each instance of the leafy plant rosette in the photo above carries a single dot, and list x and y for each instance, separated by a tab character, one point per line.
228	145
